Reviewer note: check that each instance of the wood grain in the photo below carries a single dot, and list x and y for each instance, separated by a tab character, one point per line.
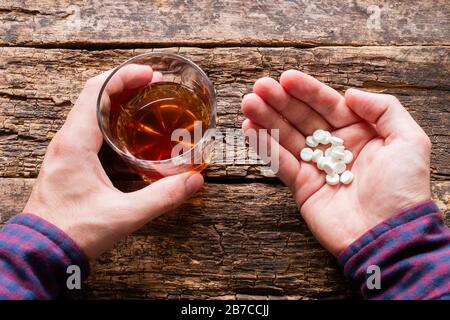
256	247
38	88
94	23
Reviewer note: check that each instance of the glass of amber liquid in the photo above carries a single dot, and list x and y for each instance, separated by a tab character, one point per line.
163	124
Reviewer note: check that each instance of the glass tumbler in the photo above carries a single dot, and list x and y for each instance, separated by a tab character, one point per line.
138	113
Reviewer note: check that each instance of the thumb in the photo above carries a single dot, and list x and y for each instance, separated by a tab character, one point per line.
385	111
164	195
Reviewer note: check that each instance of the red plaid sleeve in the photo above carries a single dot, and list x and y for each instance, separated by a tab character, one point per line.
34	257
412	252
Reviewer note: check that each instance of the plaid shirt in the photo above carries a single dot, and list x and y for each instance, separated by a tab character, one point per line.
412	250
34	256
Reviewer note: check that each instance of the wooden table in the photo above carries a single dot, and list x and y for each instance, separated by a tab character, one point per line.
242	235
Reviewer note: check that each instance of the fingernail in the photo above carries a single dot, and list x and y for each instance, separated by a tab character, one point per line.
194	182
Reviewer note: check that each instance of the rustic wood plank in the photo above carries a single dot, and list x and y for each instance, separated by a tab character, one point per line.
257	246
132	23
38	87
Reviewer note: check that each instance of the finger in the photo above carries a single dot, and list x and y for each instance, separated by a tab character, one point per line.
322	98
299	114
163	195
132	76
288	165
385	111
254	108
303	179
81	130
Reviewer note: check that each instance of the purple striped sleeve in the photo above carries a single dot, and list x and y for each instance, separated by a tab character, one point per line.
34	256
412	251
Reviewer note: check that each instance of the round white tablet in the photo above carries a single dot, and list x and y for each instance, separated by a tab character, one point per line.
306	154
336	141
339	167
328	167
320	162
325	139
311	142
317	155
348	156
318	134
346	177
332	179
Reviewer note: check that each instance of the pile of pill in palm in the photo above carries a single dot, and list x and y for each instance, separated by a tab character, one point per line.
333	161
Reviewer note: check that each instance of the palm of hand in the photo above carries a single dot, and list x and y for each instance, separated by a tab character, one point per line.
385	182
390	174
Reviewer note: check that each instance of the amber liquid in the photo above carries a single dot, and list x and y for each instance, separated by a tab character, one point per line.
146	120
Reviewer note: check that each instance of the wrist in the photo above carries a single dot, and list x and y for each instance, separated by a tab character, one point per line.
400	248
401	217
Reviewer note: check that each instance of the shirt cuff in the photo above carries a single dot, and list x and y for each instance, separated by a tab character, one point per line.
412	252
34	255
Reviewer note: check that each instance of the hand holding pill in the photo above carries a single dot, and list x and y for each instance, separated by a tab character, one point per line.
350	161
335	160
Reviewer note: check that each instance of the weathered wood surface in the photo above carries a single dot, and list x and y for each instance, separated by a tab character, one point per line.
241	236
258	248
38	87
111	23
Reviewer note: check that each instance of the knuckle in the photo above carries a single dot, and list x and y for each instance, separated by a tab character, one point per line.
421	140
88	83
170	199
91	83
61	146
56	146
424	141
391	99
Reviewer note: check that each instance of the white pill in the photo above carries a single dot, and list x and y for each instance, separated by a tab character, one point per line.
320	162
325	139
328	167
318	134
332	179
339	167
306	154
311	142
336	141
348	156
337	154
328	152
346	177
317	154
338	148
